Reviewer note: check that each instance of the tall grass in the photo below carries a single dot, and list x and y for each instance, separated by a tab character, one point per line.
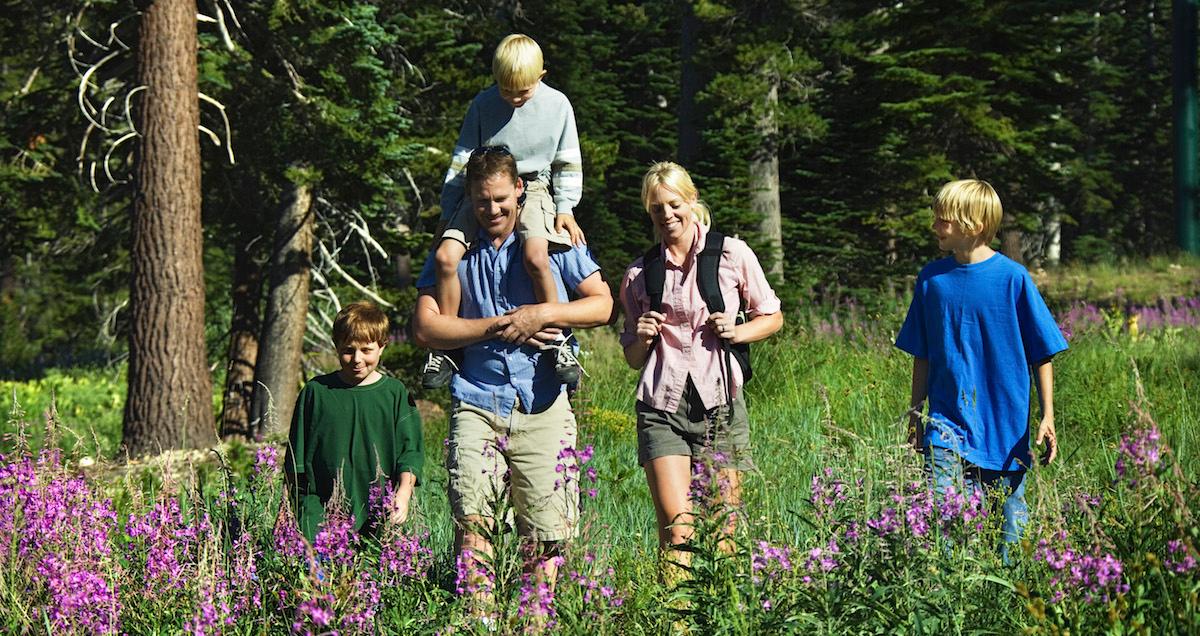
822	406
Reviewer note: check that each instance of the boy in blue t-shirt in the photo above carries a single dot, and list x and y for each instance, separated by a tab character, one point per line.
975	328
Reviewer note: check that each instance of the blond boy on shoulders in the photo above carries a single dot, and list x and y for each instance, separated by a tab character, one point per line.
521	116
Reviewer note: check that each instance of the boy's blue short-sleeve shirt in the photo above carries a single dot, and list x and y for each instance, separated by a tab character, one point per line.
981	326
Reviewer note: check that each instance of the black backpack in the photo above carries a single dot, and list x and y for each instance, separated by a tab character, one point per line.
707	263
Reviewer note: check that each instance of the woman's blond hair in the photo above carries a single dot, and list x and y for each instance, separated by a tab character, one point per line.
971	203
517	63
676	179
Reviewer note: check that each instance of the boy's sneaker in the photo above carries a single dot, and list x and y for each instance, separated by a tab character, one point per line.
438	370
566	365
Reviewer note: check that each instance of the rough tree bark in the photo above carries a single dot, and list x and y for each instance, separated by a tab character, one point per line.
764	182
169	403
243	347
277	375
1011	238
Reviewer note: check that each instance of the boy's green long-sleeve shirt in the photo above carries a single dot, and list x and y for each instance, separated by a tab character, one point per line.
351	435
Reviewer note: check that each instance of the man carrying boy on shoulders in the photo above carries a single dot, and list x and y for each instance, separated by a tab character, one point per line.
510	408
536	123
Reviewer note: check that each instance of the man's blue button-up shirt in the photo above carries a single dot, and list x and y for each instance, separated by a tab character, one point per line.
494	373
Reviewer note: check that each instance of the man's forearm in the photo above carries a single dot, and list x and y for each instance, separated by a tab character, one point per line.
582	313
435	331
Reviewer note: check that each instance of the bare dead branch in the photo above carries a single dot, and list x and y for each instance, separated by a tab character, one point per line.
29	81
333	265
228	128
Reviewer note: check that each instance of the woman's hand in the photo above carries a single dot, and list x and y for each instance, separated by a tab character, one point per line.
724	325
649	325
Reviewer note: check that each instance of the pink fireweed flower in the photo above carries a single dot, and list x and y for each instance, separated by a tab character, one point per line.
768	562
266	461
1093	576
1180	559
214	611
289	541
314	612
80	601
360	617
336	538
62	534
886	523
827	493
822	559
405	557
1139	454
472	575
168	542
537	599
595	584
571	462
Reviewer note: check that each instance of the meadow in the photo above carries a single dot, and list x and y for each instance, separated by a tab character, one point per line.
837	533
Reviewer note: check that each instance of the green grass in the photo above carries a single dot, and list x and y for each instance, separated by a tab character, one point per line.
89	405
1140	282
815	403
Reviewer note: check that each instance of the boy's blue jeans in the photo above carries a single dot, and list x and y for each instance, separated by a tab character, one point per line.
945	468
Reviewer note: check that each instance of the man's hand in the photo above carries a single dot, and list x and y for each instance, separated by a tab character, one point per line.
523	323
1046	433
724	325
544	339
566	223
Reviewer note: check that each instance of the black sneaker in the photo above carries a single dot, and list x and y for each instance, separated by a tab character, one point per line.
566	365
438	370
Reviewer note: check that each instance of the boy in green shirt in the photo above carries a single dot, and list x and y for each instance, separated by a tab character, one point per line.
354	427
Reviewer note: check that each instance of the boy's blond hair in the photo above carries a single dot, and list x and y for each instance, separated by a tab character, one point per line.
676	179
360	322
971	203
517	63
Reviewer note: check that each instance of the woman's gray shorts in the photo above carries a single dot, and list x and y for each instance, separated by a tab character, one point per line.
695	431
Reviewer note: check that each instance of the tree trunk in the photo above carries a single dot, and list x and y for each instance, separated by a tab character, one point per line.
169	403
277	375
1053	250
764	183
243	347
1011	239
689	86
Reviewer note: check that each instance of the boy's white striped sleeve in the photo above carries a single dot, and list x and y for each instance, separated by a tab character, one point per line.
566	170
452	185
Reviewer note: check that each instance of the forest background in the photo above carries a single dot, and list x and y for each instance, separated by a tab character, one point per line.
816	130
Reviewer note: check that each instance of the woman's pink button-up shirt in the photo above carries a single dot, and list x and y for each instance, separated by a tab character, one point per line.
687	346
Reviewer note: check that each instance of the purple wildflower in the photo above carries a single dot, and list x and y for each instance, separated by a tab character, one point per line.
1093	575
768	562
336	538
1139	454
404	557
473	575
1177	564
266	461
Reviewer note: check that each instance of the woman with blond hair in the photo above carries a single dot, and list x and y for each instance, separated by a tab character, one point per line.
690	407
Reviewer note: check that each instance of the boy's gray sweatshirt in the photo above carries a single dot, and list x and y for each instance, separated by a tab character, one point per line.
540	134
